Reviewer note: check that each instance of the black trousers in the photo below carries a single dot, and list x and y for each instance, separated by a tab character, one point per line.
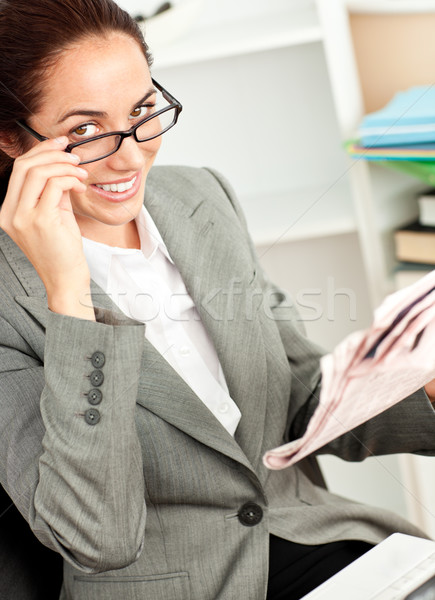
295	569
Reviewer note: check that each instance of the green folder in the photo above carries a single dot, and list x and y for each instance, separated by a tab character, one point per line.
422	170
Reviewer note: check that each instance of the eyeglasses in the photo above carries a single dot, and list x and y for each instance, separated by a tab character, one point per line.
101	146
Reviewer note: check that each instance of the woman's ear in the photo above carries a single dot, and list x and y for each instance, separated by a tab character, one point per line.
9	145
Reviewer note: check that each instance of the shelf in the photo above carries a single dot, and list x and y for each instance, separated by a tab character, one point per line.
395	195
300	214
254	34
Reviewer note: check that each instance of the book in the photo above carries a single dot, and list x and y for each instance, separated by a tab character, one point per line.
426	208
415	243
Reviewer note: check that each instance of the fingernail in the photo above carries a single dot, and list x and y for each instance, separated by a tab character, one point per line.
75	158
61	140
83	171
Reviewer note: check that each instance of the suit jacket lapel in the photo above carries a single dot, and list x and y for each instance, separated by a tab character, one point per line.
206	244
182	409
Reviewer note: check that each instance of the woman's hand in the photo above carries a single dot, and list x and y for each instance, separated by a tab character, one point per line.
37	214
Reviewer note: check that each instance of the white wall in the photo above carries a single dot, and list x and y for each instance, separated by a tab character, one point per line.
214	11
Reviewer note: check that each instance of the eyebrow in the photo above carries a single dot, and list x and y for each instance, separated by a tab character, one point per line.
98	113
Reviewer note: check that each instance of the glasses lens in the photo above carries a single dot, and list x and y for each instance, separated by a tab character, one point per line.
153	127
157	125
97	148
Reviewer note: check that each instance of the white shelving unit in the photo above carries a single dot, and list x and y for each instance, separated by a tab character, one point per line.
382	199
390	198
277	86
276	29
284	217
281	123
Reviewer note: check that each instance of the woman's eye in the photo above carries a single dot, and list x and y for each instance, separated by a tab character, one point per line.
86	130
141	112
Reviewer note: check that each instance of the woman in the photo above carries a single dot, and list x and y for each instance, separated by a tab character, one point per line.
147	363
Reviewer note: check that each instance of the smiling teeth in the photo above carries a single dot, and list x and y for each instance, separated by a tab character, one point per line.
117	187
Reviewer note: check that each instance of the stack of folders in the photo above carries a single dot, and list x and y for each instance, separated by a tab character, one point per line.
401	135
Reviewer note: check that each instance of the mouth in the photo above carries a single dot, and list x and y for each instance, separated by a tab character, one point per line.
120	190
117	187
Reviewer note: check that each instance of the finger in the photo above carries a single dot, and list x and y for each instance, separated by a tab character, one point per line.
18	202
36	180
54	197
59	143
40	157
44	156
53	192
45	152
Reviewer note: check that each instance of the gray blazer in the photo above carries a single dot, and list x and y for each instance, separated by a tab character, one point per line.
145	493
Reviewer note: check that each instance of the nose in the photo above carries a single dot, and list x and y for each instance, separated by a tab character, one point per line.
129	157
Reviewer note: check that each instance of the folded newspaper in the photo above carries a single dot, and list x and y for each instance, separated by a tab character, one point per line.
371	370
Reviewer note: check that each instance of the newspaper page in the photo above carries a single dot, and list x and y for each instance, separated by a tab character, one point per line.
371	370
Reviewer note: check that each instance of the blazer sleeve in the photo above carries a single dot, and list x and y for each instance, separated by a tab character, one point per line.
409	426
73	469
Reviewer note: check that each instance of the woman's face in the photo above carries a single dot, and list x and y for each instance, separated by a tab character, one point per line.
102	85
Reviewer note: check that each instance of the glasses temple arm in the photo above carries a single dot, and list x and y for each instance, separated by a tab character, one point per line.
32	132
166	95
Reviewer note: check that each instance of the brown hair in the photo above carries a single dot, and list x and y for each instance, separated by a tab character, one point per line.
33	33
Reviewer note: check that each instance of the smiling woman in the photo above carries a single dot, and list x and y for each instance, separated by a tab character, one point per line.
146	361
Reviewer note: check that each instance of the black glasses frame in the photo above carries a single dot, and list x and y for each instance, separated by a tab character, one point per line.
173	103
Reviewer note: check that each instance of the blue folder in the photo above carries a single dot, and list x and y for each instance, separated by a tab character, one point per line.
409	118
